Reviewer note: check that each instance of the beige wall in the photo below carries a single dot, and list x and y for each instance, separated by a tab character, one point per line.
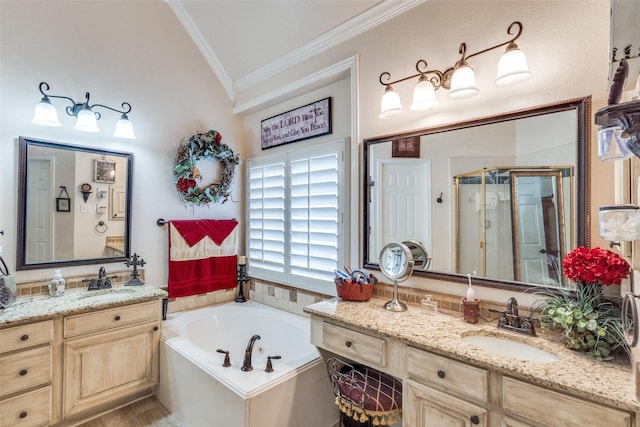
134	51
138	52
566	43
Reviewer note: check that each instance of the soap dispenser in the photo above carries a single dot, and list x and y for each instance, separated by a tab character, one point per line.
56	285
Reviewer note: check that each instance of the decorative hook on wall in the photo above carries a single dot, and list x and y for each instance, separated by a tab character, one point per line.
439	199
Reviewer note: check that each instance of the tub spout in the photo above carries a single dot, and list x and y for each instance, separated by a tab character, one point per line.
246	366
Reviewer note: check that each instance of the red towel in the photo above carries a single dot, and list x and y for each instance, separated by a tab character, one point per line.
202	256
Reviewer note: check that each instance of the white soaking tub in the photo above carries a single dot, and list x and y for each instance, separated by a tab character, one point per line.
199	391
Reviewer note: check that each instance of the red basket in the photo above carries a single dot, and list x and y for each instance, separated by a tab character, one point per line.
354	291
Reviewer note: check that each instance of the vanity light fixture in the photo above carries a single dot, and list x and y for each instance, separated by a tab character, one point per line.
86	118
459	79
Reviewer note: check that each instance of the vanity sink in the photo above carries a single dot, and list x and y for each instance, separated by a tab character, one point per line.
505	347
107	294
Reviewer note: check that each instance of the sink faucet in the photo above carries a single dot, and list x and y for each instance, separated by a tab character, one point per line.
510	319
512	312
246	366
102	282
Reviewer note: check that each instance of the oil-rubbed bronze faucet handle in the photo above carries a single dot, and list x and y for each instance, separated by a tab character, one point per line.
227	361
269	365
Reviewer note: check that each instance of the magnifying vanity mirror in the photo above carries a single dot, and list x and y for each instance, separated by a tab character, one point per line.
505	196
74	205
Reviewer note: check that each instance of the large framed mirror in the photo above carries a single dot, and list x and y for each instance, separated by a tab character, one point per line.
468	192
74	205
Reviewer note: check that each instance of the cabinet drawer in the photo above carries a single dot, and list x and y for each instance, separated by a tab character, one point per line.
447	374
105	320
354	344
31	409
545	407
25	369
25	336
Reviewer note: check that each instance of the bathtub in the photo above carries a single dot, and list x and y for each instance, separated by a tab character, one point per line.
199	391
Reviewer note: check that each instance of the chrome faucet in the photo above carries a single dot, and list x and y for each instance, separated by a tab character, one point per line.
246	365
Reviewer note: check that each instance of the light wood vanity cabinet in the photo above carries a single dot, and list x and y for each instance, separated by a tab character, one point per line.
441	391
109	355
26	370
537	406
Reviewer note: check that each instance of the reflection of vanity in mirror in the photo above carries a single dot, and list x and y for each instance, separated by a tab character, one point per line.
62	228
504	196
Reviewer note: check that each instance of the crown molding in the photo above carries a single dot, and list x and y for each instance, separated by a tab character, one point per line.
347	66
378	14
208	54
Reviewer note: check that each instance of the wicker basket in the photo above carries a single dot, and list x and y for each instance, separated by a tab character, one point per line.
349	290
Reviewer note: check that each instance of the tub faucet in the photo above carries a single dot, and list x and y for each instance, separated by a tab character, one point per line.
246	366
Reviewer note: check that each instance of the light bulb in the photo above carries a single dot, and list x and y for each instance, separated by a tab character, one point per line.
45	114
390	104
124	128
86	121
463	82
424	95
512	68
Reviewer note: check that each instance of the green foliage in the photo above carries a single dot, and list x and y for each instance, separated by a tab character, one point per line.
587	321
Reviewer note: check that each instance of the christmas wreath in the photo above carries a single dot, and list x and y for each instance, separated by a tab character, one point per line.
204	146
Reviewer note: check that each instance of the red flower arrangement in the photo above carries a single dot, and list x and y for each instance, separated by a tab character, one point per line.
595	265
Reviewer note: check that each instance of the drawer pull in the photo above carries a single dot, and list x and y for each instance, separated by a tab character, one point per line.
23	372
155	328
23	414
441	373
348	343
116	318
474	419
24	337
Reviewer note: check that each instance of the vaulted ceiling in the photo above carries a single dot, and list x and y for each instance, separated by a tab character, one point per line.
248	41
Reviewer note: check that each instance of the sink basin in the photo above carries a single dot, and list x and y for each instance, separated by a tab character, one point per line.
505	347
107	294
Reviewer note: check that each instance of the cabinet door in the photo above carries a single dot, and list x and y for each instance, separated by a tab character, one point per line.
108	366
426	407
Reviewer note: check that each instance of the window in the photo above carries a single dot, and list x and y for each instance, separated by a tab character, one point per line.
296	230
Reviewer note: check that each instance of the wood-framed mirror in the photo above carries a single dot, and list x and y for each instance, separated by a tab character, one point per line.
413	197
74	205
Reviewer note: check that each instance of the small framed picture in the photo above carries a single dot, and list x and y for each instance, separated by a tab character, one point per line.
63	204
105	172
406	147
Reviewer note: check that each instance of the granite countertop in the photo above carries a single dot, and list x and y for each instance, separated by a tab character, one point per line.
605	382
43	307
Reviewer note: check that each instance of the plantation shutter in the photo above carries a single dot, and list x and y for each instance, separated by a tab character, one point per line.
295	231
314	216
267	216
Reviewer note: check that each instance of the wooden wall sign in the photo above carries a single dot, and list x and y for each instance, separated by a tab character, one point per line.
300	123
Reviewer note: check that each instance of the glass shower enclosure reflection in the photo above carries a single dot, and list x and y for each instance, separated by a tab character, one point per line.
513	223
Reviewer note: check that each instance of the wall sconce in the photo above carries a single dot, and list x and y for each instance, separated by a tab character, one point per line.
87	120
460	79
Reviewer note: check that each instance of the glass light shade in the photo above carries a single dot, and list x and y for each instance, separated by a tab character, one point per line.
390	104
124	128
512	68
424	96
463	83
87	121
45	114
